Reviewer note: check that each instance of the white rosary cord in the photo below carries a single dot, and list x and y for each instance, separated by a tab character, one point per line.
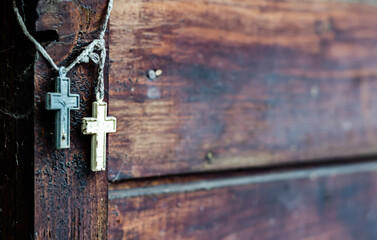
97	44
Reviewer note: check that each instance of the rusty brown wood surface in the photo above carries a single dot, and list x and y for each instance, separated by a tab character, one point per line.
324	203
244	83
70	200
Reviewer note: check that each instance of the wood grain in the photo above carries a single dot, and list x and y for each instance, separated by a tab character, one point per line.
16	125
314	204
70	199
244	83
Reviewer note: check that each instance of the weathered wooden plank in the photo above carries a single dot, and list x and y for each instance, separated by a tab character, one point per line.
244	83
16	125
70	199
323	203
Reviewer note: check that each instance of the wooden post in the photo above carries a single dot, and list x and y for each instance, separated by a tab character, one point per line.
70	199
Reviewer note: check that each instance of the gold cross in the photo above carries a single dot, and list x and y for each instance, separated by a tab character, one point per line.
98	126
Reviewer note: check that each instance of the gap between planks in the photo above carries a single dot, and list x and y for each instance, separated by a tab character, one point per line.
313	173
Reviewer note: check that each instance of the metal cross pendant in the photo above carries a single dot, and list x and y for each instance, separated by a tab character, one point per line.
63	102
98	126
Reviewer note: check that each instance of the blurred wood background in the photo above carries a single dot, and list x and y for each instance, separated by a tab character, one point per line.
244	84
276	86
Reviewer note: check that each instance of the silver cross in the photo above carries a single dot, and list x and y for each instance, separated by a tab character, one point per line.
62	101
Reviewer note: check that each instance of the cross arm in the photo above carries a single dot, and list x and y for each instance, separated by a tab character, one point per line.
89	125
53	101
110	124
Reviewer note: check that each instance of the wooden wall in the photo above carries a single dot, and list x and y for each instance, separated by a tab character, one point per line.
322	203
248	132
244	84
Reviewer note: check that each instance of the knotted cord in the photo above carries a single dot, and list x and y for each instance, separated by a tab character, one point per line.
86	54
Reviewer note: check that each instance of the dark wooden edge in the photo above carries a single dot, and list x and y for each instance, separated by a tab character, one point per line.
16	124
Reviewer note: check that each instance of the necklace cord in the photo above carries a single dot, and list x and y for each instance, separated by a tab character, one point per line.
95	45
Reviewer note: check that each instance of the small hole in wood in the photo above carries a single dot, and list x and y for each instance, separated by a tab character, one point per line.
47	36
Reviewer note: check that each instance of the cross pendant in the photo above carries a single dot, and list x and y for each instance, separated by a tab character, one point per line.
98	126
62	101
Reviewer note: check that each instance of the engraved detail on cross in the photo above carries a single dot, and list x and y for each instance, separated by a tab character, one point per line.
63	102
98	126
